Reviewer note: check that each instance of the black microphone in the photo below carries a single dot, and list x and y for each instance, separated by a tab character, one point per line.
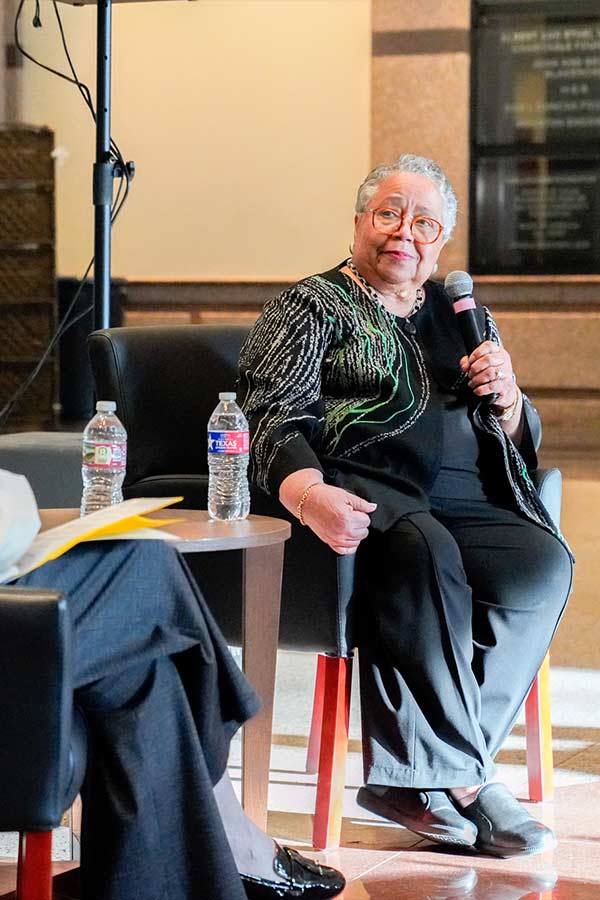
459	287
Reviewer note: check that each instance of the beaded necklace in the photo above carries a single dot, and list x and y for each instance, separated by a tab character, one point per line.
376	296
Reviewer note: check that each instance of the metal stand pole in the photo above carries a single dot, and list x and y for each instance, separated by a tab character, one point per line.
103	169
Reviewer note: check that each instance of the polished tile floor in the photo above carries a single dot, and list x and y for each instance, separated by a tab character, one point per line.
385	862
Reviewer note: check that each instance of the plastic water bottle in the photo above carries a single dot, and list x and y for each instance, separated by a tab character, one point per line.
228	447
104	458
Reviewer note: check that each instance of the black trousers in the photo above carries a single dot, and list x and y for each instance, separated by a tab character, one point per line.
456	610
162	698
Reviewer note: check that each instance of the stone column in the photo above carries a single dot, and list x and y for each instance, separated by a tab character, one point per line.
3	55
420	95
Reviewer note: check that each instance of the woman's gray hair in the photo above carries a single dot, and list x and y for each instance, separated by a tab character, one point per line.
420	165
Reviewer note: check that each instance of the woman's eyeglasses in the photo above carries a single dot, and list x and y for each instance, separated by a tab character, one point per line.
423	229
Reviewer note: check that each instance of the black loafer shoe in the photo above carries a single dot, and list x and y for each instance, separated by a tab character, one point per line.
302	878
504	828
430	814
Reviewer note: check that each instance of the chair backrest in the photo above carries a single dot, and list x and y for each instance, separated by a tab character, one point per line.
36	699
165	381
51	462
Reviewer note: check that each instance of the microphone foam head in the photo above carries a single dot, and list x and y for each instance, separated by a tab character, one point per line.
458	284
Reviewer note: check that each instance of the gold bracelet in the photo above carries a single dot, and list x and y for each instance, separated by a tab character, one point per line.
507	414
302	500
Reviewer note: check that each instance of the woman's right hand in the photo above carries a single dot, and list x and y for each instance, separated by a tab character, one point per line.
339	518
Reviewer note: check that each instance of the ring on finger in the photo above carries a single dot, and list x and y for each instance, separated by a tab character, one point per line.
498	373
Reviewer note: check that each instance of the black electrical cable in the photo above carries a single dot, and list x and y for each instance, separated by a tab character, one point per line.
124	177
37	20
62	328
81	86
87	98
124	172
27	55
84	90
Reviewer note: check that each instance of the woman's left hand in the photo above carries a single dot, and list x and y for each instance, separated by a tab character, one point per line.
490	371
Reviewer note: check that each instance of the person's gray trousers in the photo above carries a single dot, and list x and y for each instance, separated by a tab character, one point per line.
455	611
162	698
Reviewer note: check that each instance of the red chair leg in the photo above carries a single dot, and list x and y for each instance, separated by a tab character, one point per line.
333	752
314	738
34	867
538	730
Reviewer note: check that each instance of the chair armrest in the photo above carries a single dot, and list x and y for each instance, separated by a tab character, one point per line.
36	700
548	483
51	462
322	621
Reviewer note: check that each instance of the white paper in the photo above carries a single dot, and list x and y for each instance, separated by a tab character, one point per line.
49	542
19	521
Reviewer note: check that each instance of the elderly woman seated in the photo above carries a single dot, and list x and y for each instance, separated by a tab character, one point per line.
371	424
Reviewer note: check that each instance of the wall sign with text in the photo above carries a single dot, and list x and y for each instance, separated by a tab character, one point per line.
537	215
535	137
538	81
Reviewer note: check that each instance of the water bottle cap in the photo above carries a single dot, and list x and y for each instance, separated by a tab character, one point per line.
227	395
106	406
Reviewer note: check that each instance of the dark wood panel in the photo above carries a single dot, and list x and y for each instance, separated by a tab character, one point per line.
26	153
27	272
533	293
184	294
538	294
424	40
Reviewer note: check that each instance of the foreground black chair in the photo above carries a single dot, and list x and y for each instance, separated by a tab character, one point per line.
165	381
43	743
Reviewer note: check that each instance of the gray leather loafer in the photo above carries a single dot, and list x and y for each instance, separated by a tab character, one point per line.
504	827
430	814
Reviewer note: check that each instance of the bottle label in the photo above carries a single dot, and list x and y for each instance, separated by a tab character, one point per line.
228	442
104	456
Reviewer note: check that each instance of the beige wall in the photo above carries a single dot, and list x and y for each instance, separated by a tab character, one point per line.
248	121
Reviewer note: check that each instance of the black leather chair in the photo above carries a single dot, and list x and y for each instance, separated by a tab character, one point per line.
51	462
165	381
43	743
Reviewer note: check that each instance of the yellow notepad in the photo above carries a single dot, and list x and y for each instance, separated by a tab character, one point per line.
121	520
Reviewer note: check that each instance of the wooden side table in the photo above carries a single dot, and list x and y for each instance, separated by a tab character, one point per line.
261	540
